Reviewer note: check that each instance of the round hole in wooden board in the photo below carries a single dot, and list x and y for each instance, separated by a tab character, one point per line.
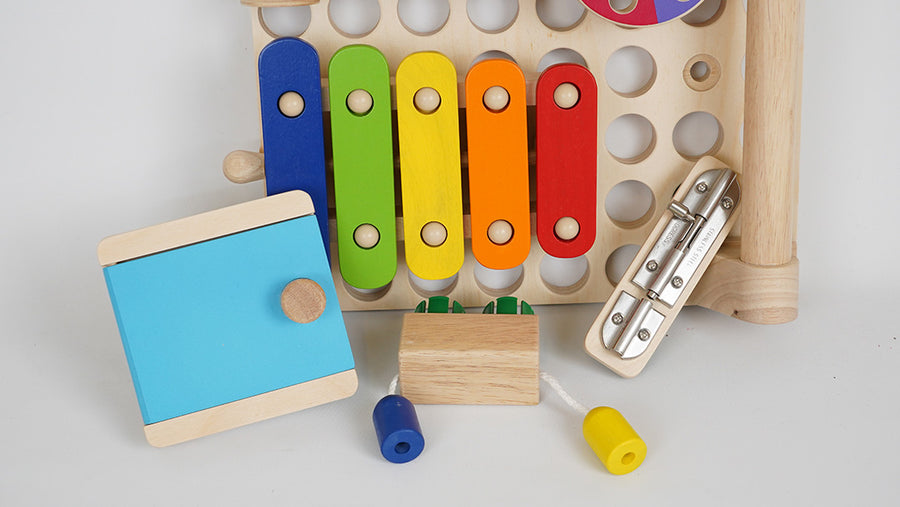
630	138
706	13
560	55
630	71
493	54
702	72
427	288
285	21
696	135
564	276
367	295
560	15
498	282
492	16
630	204
618	261
423	17
354	18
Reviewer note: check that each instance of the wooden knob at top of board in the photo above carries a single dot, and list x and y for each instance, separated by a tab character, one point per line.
303	300
278	3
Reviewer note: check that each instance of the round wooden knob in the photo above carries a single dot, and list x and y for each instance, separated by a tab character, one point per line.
302	300
427	100
434	234
359	102
496	98
291	104
566	95
566	228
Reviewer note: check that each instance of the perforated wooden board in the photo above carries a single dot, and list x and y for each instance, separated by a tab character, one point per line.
671	95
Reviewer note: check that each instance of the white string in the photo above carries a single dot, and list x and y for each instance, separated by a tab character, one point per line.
392	388
557	387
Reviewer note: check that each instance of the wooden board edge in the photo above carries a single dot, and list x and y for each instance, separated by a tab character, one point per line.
752	293
204	227
254	409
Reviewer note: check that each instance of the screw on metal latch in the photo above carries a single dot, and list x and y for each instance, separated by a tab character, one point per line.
644	335
702	187
727	203
677	282
652	266
617	318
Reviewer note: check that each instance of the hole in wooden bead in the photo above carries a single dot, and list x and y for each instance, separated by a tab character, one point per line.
500	232
366	236
498	282
427	100
702	72
617	263
697	134
706	13
630	71
492	16
354	18
629	204
560	55
303	300
630	138
566	228
434	234
560	15
566	95
285	21
627	458
359	102
291	104
496	98
623	6
423	17
564	276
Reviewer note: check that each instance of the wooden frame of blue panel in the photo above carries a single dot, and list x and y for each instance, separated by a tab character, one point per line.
198	301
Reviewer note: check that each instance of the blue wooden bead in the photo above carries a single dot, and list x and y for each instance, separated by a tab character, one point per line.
397	429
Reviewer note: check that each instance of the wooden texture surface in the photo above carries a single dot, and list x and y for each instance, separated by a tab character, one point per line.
303	300
663	101
431	181
498	164
469	359
250	410
771	129
203	227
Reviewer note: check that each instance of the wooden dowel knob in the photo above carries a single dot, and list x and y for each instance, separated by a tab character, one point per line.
303	300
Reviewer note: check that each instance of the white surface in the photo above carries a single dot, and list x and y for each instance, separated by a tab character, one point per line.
115	117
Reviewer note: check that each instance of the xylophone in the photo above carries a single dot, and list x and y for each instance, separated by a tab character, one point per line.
453	161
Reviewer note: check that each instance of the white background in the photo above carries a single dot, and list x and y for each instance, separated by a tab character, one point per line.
116	115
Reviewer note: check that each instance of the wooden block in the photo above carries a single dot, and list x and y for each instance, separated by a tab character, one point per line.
361	135
290	98
498	164
470	359
430	174
566	172
199	304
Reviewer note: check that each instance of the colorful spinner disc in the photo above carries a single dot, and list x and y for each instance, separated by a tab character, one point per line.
641	12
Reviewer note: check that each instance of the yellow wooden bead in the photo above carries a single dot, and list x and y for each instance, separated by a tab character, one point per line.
566	95
291	104
614	441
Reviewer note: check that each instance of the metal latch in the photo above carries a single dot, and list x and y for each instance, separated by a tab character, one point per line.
650	294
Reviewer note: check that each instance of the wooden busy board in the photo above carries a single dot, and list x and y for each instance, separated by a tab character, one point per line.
754	276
